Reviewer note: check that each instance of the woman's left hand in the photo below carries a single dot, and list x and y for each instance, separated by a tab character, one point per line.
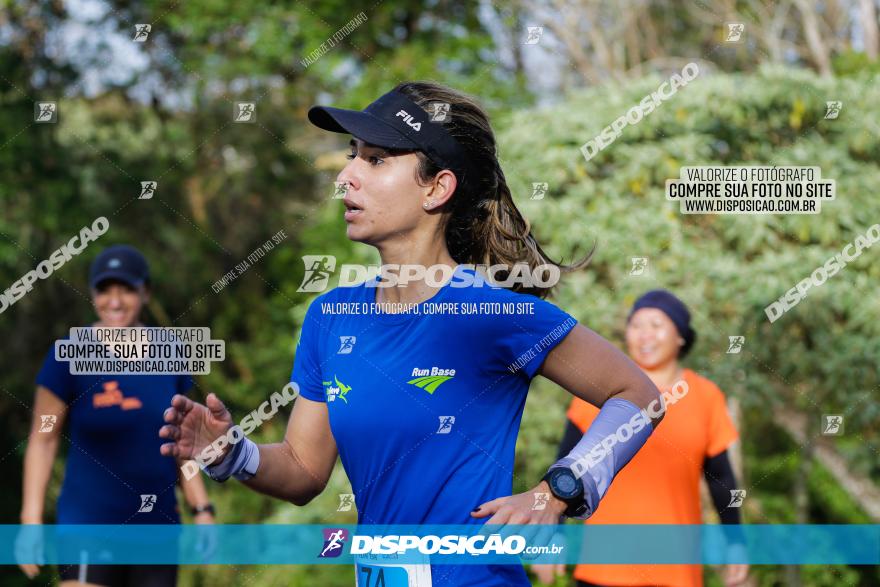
536	506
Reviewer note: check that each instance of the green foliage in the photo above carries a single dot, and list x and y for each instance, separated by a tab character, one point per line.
853	63
818	357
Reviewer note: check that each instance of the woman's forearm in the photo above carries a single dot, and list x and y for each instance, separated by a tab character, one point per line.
283	475
194	491
38	459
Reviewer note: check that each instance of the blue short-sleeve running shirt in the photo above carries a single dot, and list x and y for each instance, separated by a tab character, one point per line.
425	407
113	457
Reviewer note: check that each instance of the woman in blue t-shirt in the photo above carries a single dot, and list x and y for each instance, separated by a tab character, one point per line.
419	387
114	473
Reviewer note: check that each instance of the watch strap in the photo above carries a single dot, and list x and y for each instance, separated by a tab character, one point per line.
200	509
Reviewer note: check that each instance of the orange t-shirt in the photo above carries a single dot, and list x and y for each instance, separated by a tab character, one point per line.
661	484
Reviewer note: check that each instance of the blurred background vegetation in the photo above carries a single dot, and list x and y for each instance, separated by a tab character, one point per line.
162	110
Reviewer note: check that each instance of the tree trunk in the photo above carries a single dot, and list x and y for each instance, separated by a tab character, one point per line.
861	489
868	19
817	46
800	494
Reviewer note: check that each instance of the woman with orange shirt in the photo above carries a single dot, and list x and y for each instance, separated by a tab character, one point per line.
661	485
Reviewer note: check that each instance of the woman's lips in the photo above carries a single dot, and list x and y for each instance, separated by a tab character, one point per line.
351	210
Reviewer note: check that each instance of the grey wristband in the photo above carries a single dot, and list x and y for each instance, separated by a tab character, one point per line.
241	462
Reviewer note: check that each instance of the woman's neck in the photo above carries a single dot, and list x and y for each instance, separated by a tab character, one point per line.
100	324
666	375
416	290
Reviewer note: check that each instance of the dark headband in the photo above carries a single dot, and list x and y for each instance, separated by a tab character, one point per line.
673	307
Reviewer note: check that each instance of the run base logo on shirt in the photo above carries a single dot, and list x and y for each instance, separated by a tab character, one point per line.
430	379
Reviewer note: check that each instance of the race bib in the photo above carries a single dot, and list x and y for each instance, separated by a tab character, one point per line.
382	571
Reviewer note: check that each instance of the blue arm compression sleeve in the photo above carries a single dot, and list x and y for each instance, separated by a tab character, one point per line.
616	435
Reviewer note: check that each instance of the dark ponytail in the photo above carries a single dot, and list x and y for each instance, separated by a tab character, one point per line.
482	224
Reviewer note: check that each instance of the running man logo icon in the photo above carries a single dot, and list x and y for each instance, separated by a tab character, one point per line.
438	111
141	32
340	188
734	31
832	109
346	345
833	425
736	498
47	422
541	501
148	188
319	268
639	264
446	423
346	500
539	190
245	112
334	540
735	344
534	35
45	112
147	503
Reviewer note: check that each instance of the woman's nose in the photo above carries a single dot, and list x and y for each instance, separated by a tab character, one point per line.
642	336
115	300
348	175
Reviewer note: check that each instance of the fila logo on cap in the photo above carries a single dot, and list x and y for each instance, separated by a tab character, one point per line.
407	118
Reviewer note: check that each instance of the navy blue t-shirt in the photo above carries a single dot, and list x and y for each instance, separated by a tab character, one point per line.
113	458
425	408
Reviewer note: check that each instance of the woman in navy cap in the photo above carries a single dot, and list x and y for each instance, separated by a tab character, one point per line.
661	485
114	473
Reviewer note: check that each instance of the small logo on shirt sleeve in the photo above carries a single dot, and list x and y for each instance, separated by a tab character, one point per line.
336	390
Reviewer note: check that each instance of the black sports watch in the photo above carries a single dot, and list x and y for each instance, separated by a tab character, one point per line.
566	487
208	507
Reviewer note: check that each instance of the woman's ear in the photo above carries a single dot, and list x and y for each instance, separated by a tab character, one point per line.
444	185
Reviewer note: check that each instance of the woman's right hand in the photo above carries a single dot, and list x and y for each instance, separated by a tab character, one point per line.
192	426
29	550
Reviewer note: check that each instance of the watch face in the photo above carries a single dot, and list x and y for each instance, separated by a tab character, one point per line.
565	483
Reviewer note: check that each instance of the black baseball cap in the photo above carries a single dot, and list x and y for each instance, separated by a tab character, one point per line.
394	122
120	262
